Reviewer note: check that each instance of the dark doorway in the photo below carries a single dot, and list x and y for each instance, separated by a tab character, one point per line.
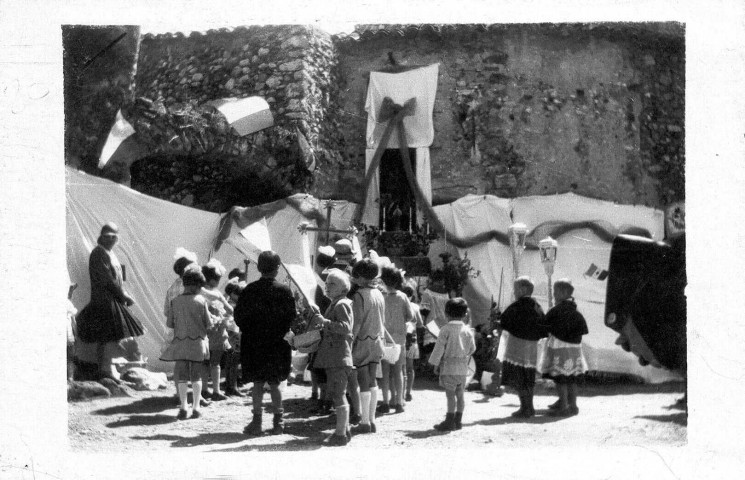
398	203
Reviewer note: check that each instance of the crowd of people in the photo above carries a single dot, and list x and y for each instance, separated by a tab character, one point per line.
366	324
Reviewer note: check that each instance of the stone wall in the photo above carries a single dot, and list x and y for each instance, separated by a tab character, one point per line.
292	67
520	109
534	109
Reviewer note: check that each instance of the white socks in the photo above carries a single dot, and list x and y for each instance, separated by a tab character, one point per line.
183	391
365	406
373	403
342	420
196	390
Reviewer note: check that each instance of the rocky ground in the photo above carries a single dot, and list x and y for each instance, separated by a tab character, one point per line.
610	415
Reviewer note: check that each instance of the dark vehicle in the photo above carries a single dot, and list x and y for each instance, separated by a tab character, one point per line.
645	300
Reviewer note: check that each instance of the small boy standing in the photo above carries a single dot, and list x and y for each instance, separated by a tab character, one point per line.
564	361
452	352
523	320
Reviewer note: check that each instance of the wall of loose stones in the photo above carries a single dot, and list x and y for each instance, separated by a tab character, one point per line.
531	110
290	66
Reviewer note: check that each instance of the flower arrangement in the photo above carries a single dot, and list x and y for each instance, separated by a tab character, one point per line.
398	243
458	271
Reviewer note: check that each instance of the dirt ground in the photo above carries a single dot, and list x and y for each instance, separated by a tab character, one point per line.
610	415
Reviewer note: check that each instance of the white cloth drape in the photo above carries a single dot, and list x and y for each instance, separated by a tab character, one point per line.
424	178
371	213
400	87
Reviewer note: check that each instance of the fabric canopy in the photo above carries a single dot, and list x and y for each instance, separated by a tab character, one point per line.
151	229
579	249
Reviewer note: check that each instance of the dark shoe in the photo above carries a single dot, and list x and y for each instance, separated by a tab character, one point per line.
518	413
383	408
253	428
218	396
399	409
561	413
182	415
314	396
373	428
233	393
524	413
574	410
474	387
555	406
447	425
362	428
206	394
337	440
196	414
205	402
408	397
278	424
458	420
355	418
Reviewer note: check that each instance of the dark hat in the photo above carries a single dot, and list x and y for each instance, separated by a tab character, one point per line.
110	228
326	256
268	262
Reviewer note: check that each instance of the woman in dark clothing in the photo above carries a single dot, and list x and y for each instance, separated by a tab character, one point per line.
264	313
524	321
106	318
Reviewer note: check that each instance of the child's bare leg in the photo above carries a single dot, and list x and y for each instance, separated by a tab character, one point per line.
451	400
460	403
354	393
409	376
206	376
215	372
363	376
196	391
183	393
385	382
398	383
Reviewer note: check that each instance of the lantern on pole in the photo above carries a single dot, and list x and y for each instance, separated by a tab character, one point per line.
517	233
548	248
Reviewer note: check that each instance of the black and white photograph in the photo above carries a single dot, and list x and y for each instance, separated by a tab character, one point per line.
373	243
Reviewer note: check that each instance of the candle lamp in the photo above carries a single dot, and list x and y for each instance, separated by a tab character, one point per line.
548	248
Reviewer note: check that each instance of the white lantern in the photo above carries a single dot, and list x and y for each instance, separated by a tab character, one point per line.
548	248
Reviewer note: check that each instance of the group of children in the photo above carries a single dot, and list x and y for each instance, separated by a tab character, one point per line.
205	337
369	308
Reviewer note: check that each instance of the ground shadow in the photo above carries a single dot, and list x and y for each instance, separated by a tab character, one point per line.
143	420
177	441
145	405
539	419
422	434
599	389
296	444
680	418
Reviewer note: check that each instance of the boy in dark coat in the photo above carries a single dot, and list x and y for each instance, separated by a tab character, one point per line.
264	313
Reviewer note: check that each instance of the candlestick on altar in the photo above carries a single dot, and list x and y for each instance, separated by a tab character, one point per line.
548	248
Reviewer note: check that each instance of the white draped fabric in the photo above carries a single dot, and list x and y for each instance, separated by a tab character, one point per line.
577	250
400	87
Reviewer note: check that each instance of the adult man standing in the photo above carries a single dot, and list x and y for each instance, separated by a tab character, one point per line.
264	313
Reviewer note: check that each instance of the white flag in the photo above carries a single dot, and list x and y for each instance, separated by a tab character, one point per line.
252	240
120	131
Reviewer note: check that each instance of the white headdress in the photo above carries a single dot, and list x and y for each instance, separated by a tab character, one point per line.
181	252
